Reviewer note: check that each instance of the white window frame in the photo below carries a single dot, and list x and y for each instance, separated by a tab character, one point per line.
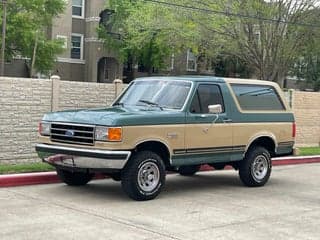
189	52
257	33
82	10
65	40
172	62
81	45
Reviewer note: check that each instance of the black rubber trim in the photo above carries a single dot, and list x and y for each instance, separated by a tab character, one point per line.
282	144
210	150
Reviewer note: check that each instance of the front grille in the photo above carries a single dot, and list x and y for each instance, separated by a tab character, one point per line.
73	134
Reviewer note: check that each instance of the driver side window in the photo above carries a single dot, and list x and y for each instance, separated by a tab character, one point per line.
206	94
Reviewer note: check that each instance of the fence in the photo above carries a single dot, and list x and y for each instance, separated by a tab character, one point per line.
24	101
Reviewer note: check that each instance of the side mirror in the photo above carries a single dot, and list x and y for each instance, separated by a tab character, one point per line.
215	109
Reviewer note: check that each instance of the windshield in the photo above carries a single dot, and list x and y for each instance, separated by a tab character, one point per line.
157	93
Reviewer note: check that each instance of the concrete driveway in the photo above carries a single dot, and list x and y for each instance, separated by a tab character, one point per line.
210	205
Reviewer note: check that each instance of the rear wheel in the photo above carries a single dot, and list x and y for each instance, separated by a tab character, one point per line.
74	178
188	170
255	169
144	176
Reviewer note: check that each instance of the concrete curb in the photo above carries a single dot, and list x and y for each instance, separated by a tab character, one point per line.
13	180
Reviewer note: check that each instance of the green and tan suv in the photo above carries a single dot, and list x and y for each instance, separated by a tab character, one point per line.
175	124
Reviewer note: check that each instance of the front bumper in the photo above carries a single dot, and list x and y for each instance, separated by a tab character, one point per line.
82	157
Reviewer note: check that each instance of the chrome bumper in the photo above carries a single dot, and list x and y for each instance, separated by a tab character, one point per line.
82	157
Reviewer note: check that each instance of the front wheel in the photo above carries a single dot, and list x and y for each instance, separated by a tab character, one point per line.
74	178
144	176
255	169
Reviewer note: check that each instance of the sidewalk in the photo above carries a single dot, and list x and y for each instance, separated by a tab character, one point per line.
12	180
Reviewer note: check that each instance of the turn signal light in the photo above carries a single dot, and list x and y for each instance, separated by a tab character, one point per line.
115	134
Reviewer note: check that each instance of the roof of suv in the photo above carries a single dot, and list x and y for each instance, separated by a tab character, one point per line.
200	78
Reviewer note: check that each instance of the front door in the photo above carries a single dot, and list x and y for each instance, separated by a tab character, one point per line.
208	137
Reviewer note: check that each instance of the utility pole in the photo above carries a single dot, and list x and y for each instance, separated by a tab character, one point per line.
4	26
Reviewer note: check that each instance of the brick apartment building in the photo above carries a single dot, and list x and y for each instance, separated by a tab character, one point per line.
85	58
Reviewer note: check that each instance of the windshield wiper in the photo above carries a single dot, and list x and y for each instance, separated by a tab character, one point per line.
119	104
150	103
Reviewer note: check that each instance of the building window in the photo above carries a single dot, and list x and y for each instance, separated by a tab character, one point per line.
191	61
256	33
77	46
105	18
78	8
172	62
64	40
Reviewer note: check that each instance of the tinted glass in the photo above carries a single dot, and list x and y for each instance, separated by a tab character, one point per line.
257	97
76	47
207	94
76	11
164	94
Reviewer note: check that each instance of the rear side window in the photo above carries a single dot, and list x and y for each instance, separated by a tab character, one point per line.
257	97
207	94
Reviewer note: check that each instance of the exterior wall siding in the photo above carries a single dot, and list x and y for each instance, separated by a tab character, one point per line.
24	101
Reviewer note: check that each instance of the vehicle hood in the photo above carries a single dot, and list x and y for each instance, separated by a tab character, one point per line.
118	116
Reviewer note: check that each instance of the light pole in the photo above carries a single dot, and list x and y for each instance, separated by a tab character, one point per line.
4	26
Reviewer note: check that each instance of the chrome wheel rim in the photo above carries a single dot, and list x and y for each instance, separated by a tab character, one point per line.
148	176
259	168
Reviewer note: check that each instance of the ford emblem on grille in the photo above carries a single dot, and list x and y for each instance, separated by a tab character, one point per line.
69	133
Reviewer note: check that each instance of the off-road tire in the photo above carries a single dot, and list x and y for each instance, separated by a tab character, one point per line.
144	170
74	178
255	168
188	170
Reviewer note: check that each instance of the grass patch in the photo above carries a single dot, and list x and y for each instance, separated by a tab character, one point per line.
308	151
25	168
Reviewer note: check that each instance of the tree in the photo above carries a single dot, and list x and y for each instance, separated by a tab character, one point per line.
265	35
307	66
27	24
271	39
149	34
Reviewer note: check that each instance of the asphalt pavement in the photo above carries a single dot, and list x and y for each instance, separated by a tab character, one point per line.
210	205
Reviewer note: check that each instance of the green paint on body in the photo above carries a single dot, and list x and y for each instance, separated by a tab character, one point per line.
203	158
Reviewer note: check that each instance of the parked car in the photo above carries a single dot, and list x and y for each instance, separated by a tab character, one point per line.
171	123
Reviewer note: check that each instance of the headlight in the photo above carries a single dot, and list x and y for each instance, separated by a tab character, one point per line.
113	134
44	128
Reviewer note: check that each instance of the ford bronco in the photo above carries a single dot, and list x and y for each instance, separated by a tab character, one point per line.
161	124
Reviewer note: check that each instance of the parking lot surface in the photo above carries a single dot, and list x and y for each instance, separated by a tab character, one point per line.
210	205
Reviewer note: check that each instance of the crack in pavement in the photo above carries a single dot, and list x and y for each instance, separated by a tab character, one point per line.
257	219
88	212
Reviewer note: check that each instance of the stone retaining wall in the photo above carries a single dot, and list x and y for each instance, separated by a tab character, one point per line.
306	106
23	102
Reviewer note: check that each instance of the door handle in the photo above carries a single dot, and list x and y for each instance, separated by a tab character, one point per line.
227	120
201	116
